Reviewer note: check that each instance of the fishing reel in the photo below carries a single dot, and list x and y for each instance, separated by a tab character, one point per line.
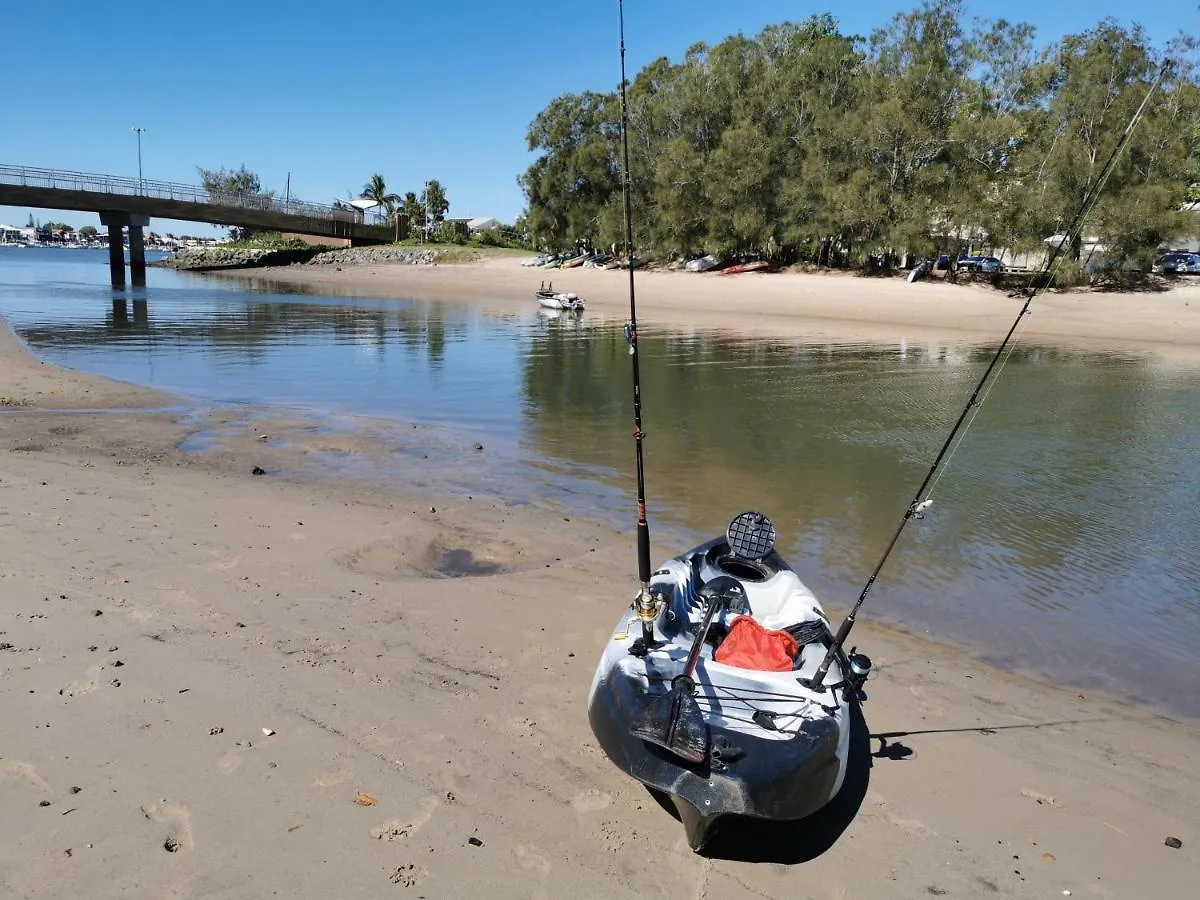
917	510
858	668
647	608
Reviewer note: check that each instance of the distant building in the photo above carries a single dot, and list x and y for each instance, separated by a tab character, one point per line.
482	224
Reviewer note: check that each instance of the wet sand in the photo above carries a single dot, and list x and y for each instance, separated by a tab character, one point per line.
162	608
820	307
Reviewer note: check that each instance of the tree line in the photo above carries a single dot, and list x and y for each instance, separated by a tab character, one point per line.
932	135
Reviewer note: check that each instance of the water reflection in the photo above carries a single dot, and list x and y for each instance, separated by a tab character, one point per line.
119	320
250	331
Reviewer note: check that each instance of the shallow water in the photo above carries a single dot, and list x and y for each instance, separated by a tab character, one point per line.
1061	539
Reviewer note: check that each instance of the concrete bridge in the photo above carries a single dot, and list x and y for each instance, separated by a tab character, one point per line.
131	202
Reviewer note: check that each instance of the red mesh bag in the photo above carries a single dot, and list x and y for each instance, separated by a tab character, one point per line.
750	646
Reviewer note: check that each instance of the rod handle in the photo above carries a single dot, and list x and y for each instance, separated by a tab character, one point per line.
643	547
818	678
843	633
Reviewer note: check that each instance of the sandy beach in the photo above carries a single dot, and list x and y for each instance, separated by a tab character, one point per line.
214	684
833	307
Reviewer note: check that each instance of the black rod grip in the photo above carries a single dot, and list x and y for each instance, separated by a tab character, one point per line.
643	542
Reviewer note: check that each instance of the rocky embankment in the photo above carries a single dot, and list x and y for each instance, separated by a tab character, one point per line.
202	258
206	258
349	256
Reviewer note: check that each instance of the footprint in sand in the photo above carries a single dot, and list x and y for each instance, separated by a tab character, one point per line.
222	563
178	825
15	770
530	858
591	801
229	763
81	686
394	830
927	705
1042	799
398	829
408	875
338	776
912	826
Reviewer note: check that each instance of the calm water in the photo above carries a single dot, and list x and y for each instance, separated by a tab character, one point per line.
1062	538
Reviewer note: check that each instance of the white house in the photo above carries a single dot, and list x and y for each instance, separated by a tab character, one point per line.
482	224
359	207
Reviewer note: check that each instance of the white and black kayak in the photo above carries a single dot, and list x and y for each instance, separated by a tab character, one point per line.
552	299
720	713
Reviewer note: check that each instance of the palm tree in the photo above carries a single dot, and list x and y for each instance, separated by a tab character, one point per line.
376	189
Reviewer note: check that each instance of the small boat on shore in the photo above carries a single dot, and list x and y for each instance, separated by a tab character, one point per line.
755	266
920	270
549	298
719	712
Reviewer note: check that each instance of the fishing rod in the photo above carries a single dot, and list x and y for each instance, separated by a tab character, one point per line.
647	608
917	505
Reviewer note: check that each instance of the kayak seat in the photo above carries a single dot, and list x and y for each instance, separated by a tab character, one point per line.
806	633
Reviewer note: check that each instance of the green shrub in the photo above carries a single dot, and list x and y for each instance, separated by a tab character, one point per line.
449	233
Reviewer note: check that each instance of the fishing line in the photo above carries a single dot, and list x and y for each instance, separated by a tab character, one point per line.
921	501
975	411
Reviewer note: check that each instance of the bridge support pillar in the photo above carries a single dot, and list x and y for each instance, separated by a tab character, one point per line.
137	256
116	222
116	255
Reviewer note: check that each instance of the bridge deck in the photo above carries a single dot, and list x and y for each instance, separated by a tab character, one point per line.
52	189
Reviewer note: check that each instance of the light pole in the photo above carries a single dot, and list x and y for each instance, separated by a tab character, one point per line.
428	216
139	130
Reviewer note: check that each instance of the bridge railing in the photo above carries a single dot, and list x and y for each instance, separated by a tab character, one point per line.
28	176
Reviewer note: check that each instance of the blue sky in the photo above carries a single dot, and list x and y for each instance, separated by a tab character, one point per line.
333	92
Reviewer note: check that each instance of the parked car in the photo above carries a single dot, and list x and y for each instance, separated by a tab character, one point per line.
979	264
1178	263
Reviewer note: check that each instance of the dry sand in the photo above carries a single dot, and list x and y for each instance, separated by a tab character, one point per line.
820	307
161	609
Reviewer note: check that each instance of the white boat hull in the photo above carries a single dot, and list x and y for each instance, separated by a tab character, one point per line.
559	300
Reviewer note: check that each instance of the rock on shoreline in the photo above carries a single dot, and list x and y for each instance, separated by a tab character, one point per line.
206	258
